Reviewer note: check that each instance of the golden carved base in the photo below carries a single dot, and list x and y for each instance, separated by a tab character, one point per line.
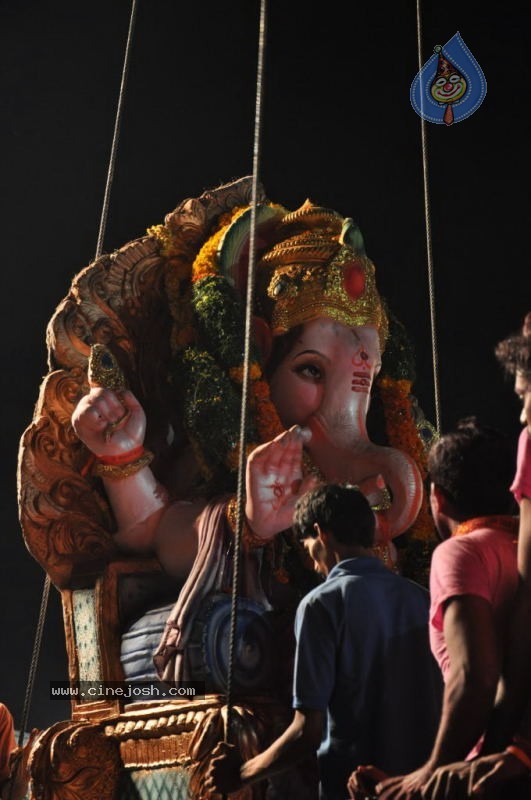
82	759
163	752
73	760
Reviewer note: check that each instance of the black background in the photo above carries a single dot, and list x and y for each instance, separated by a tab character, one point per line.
338	128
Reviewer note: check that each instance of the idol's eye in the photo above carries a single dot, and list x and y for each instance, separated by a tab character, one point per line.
309	370
454	78
440	81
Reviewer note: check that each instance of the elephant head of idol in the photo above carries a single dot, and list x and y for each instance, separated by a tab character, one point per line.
324	326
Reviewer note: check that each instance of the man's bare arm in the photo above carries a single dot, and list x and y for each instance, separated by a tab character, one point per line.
468	695
301	739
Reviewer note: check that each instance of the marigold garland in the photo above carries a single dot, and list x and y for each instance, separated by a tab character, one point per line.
255	372
162	233
268	422
206	262
403	434
400	426
208	339
211	411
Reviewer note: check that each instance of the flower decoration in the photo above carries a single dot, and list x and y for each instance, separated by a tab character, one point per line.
208	345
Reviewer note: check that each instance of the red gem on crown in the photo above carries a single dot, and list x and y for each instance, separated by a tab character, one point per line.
353	279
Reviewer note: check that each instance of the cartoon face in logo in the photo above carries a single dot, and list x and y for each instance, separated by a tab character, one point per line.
448	88
451	84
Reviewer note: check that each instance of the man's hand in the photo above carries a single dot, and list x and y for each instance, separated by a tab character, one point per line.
405	787
489	773
223	776
481	778
275	482
362	783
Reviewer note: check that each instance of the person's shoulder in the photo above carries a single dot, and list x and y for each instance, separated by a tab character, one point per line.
384	581
411	588
455	545
472	544
326	596
411	585
314	596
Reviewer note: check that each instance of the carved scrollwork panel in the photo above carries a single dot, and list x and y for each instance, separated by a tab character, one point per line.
65	517
74	761
191	221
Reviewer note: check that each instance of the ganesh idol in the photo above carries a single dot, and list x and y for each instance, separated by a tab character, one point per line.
324	345
320	330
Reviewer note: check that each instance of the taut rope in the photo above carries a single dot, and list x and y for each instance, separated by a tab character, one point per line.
103	222
32	670
429	249
34	660
116	134
240	496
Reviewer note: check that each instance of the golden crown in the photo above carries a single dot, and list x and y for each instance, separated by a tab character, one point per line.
312	264
319	268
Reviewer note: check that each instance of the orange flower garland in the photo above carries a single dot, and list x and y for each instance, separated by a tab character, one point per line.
206	262
401	428
403	434
267	420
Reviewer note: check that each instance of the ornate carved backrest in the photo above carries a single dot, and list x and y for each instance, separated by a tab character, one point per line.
126	301
122	300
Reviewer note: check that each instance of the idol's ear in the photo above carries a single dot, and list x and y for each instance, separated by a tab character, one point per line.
233	248
263	338
351	236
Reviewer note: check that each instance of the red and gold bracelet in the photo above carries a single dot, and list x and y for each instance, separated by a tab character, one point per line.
122	458
122	465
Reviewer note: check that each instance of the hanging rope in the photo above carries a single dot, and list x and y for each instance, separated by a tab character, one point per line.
33	669
429	249
34	660
116	134
103	222
240	496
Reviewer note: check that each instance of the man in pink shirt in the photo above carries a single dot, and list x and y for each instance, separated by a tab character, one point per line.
507	771
473	583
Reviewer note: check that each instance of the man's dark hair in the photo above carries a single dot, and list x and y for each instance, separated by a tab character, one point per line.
514	353
474	467
343	511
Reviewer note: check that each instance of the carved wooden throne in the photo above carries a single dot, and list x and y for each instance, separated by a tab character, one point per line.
127	301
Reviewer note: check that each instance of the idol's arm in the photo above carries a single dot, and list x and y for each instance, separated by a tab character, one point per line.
113	427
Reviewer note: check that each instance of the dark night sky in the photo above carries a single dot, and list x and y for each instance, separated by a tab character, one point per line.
338	128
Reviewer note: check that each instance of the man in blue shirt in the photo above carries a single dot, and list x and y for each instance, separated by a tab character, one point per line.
364	672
